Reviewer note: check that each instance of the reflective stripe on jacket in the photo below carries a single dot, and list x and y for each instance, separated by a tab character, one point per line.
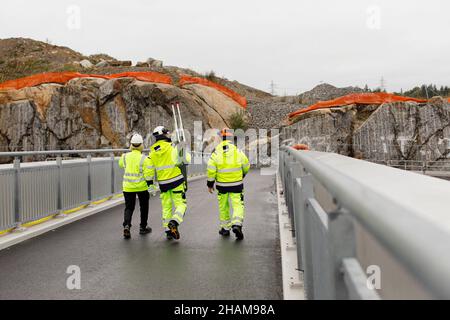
164	164
136	174
227	166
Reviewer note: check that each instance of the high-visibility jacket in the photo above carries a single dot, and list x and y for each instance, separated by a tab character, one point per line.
136	172
165	164
227	167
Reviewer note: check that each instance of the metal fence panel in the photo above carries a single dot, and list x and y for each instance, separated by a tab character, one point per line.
321	263
356	281
101	179
74	180
39	192
31	191
118	177
6	199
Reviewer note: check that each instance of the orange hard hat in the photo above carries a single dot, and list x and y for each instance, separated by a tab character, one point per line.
226	132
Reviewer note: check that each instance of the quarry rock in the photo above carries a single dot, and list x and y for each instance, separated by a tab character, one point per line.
86	64
92	113
391	131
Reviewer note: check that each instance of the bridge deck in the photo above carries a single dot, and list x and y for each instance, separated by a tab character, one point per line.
200	266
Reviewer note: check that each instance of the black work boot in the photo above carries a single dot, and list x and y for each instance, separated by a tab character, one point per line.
224	232
145	230
169	235
126	232
173	227
238	232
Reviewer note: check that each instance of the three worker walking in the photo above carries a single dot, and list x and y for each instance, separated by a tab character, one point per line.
165	165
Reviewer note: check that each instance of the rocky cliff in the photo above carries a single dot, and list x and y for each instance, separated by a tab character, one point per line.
99	113
95	112
391	131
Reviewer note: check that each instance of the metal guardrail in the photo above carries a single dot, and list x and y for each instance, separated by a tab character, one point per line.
417	165
403	211
35	190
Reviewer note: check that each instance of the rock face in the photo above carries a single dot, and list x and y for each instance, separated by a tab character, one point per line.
154	63
102	64
98	113
394	131
117	63
86	64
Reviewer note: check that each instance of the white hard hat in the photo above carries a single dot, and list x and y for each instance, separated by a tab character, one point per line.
137	139
160	130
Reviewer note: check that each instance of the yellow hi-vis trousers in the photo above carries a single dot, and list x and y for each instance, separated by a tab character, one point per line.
177	197
237	203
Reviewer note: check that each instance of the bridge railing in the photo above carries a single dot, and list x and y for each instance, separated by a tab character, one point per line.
365	231
30	191
417	165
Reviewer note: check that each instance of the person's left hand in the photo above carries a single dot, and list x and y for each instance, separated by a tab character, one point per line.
152	189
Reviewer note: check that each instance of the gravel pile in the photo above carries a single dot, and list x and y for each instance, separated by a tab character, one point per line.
270	113
326	91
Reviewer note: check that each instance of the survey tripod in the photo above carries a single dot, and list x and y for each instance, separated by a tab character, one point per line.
181	139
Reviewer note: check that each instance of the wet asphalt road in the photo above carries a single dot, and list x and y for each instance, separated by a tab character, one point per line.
202	265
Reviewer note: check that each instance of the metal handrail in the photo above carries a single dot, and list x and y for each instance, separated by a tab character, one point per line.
68	184
391	221
62	152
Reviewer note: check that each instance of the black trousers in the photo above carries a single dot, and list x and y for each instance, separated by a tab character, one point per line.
130	203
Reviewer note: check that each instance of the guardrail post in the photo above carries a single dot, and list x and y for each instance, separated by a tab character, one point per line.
89	186
59	196
298	207
113	175
306	192
281	166
17	195
294	172
342	245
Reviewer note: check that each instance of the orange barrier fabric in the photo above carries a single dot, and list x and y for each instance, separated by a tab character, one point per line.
300	147
185	79
64	77
356	98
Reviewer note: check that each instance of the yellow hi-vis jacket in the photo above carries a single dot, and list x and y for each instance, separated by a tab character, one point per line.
164	164
136	174
227	167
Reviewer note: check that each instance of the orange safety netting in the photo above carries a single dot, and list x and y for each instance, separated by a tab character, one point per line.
301	146
185	79
64	77
356	98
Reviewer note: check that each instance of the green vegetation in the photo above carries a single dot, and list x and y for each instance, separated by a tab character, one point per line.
427	91
68	67
238	120
17	69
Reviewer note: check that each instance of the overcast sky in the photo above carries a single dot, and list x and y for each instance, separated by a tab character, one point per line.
297	43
